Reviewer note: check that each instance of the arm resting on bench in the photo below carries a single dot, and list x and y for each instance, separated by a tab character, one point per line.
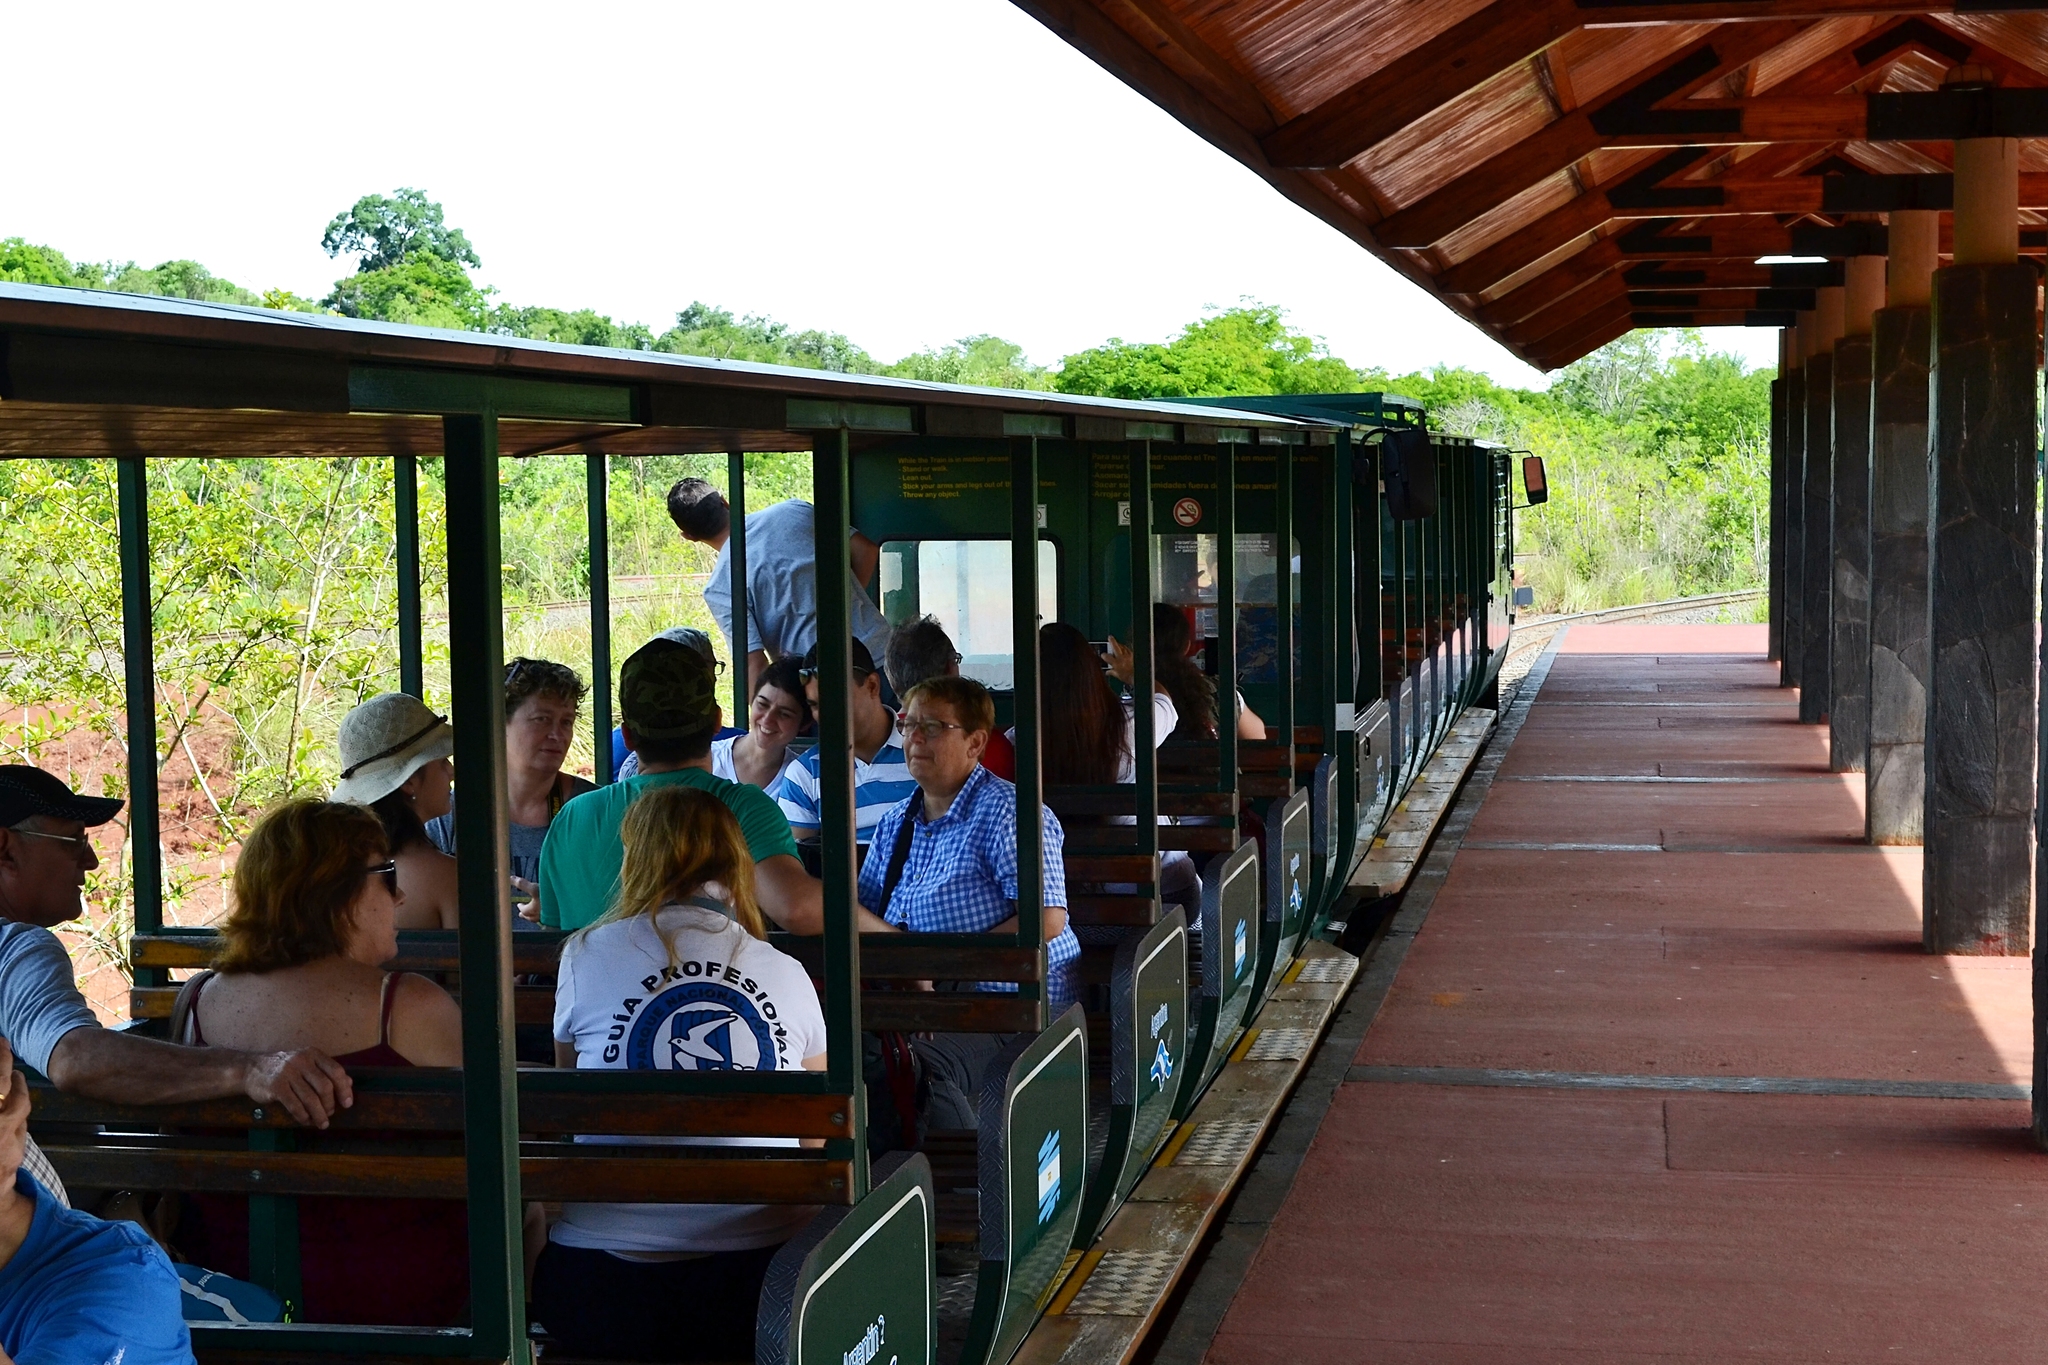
103	1064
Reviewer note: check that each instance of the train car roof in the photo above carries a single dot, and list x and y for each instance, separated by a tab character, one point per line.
1560	171
93	373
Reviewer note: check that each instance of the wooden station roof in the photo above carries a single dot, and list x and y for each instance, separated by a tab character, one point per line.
1559	171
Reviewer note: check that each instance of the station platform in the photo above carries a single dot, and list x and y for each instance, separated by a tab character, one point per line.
1664	1074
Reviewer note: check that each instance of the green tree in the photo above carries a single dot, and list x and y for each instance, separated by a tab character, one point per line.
396	231
424	292
584	327
1244	350
21	263
180	280
705	329
984	360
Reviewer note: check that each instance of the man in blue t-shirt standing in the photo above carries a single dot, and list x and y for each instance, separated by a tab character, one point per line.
74	1289
782	576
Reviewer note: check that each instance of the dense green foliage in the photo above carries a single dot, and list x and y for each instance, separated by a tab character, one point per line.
1245	350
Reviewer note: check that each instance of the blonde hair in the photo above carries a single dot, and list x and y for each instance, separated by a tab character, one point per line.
677	838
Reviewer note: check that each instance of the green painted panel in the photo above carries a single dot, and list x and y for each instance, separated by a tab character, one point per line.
1230	947
864	1292
1288	875
1042	1156
1148	1063
380	388
823	414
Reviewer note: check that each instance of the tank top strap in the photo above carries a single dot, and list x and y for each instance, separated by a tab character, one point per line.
384	1011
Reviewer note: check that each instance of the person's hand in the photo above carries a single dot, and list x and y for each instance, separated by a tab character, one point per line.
1120	660
309	1084
529	909
13	1116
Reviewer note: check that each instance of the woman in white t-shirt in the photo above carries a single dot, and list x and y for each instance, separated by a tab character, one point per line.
683	957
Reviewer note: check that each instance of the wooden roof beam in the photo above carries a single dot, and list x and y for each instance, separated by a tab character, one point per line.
1461	58
1496	38
1499	178
1789	195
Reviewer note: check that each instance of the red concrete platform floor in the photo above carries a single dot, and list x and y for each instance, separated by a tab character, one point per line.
1463	1224
1665	1075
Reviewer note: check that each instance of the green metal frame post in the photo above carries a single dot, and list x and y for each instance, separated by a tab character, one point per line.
1283	596
597	515
1226	614
736	548
1143	664
405	497
831	481
483	870
138	667
1024	696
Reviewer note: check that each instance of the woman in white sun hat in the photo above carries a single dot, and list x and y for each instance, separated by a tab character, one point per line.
394	759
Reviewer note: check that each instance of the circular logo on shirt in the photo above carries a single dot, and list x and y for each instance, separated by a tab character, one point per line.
700	1027
1187	512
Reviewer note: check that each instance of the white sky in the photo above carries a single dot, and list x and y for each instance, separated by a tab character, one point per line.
904	171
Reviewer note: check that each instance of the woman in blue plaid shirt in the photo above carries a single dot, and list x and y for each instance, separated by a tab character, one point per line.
956	872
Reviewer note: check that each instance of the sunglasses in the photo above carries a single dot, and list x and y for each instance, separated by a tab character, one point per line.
860	675
390	872
79	844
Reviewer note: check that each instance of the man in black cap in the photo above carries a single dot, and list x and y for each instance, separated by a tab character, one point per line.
44	856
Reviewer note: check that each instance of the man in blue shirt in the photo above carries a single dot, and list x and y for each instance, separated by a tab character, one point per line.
957	873
74	1289
782	576
880	778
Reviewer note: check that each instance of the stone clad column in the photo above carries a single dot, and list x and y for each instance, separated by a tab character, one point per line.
1896	780
1774	562
1794	505
1849	648
1815	674
1978	884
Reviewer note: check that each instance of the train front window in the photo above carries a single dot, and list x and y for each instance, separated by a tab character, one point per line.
1184	568
965	584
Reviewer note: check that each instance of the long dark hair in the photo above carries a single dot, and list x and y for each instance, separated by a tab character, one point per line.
1083	734
1194	696
402	824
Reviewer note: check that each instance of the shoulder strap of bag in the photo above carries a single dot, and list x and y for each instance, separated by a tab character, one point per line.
181	1008
899	855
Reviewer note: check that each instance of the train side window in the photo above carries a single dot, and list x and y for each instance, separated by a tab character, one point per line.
1184	568
966	585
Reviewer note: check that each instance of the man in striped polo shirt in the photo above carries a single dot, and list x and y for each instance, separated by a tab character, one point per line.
880	780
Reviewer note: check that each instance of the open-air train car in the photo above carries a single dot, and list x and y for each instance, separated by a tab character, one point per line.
1356	628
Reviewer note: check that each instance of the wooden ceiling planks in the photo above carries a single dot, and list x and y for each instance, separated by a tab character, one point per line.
1513	156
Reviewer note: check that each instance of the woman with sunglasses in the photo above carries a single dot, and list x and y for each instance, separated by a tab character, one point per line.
315	916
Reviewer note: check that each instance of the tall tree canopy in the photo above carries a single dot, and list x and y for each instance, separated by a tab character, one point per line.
395	231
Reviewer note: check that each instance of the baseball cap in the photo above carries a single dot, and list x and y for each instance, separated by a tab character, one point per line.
863	661
668	690
26	792
695	639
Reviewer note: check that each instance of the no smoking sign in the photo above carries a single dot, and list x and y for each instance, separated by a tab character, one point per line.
1187	512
